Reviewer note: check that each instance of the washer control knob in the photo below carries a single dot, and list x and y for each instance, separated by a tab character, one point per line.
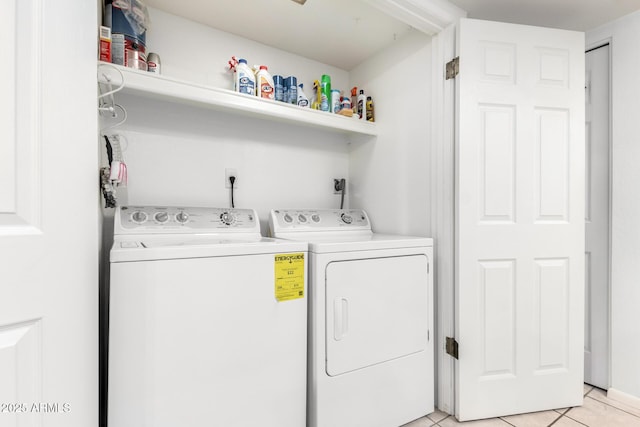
161	217
182	217
139	217
302	218
287	218
346	218
315	218
227	218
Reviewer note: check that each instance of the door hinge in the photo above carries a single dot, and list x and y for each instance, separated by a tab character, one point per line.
453	68
452	347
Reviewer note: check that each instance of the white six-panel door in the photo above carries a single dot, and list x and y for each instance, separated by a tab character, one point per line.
519	219
48	214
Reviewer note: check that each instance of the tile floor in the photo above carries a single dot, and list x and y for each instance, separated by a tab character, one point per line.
597	411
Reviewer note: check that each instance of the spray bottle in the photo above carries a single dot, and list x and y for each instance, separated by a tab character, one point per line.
325	93
317	97
303	101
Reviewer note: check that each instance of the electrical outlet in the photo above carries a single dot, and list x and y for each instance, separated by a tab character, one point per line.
337	189
230	172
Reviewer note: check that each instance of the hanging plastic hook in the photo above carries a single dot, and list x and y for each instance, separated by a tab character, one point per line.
124	118
106	101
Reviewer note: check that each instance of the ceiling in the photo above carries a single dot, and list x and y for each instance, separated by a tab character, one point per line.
579	15
344	33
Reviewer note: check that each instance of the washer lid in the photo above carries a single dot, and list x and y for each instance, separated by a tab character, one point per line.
149	247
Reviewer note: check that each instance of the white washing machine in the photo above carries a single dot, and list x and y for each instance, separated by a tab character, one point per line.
370	319
208	321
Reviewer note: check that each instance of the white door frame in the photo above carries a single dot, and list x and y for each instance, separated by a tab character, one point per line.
443	211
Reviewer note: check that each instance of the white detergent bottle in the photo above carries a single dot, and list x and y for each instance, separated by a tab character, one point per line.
303	101
245	79
265	87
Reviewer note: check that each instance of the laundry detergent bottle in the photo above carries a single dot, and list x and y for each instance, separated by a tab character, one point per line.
264	81
245	79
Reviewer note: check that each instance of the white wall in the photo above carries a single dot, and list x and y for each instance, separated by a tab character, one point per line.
197	53
390	178
625	251
178	154
277	165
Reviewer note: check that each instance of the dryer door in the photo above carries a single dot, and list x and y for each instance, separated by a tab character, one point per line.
376	311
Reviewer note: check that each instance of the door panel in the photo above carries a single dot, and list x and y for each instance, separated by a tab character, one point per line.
497	308
551	282
519	219
551	154
21	236
20	150
376	311
21	371
497	163
7	118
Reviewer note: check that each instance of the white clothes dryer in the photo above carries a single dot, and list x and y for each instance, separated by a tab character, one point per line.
370	319
208	321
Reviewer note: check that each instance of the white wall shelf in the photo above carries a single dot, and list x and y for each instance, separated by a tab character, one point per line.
167	89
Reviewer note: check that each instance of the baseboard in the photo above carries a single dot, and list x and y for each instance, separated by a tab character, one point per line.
622	397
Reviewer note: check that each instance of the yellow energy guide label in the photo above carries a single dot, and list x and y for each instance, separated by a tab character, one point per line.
289	272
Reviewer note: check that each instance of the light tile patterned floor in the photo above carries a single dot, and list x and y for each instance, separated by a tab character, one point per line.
597	411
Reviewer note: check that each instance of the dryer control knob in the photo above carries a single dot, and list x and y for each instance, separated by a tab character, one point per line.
161	217
346	218
227	218
302	218
315	218
182	217
139	217
287	218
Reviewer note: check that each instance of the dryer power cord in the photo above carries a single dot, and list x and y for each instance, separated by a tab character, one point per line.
340	185
232	179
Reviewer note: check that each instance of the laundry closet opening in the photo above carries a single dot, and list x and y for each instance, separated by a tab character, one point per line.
597	216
